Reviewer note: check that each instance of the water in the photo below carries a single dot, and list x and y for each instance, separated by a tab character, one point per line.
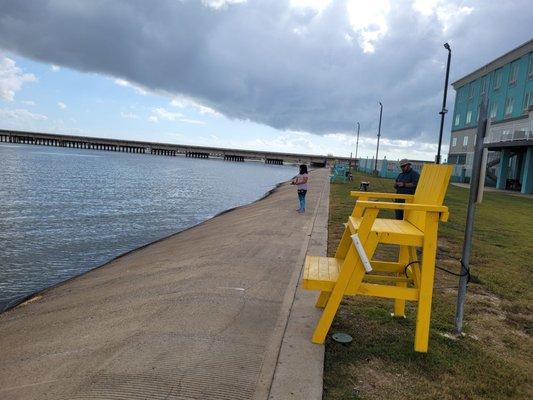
66	211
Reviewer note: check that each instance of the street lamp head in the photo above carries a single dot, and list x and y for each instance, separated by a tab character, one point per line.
380	103
447	47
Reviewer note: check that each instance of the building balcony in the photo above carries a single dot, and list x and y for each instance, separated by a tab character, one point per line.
514	133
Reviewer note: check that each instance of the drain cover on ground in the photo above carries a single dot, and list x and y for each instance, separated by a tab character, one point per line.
341	337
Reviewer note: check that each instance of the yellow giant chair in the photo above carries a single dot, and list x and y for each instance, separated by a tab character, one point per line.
352	270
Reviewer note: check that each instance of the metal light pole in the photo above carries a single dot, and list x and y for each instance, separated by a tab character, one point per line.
475	186
444	110
357	144
379	135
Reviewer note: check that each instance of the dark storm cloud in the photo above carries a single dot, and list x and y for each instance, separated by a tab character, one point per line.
268	62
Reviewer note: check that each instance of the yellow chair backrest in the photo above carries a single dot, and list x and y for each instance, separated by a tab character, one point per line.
431	189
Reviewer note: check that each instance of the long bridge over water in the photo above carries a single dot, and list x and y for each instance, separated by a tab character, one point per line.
163	149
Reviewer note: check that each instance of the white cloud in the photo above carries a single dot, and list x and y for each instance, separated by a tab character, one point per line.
162	113
448	14
61	105
128	115
369	20
297	142
317	5
218	4
20	114
55	68
124	83
391	148
426	7
12	78
182	102
28	102
192	121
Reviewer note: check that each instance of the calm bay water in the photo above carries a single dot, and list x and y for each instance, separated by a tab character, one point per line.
66	211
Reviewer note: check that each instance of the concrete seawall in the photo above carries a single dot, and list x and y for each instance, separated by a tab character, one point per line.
199	315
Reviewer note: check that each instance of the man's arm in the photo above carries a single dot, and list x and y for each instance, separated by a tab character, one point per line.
414	180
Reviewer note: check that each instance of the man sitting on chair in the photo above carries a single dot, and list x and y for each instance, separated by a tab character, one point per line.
405	183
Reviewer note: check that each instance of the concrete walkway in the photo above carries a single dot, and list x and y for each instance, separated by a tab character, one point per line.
210	313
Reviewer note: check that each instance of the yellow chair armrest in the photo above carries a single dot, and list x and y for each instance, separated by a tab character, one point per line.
402	206
378	195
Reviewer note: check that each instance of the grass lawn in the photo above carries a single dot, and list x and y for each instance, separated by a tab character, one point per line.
493	360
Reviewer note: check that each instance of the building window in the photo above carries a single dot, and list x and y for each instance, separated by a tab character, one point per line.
459	159
514	73
493	110
471	90
528	100
454	142
509	105
468	117
460	93
465	141
530	67
497	79
456	123
483	86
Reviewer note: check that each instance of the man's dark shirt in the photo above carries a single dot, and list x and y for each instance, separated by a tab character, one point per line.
408	177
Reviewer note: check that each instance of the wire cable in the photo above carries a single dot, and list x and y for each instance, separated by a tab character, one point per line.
408	265
466	273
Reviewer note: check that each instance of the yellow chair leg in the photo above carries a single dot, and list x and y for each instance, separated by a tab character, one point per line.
322	328
344	244
322	299
399	304
352	272
427	277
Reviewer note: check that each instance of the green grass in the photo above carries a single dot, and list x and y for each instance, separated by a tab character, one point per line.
491	361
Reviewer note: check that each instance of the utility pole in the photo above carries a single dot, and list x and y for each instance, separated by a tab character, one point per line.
379	135
469	229
444	110
357	146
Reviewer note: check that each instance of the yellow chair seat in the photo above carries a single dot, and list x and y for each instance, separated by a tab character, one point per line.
321	273
392	231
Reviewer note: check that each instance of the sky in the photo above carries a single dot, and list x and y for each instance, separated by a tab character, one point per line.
282	75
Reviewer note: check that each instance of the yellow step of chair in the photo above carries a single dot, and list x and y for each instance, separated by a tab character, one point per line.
351	271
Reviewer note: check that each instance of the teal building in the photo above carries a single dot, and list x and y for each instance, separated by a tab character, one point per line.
506	84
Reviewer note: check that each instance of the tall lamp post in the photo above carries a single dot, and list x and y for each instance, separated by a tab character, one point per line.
357	144
379	135
444	110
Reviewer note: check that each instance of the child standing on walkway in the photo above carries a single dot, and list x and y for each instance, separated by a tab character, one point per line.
300	181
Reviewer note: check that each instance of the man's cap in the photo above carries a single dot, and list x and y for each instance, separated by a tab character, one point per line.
403	162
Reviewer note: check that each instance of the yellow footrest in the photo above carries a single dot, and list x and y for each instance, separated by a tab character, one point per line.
321	273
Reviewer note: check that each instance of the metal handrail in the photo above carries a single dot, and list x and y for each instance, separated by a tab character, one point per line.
522	130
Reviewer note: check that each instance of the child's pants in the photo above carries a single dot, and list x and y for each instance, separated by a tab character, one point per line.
301	197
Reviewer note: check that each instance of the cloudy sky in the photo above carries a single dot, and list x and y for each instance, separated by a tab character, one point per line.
275	75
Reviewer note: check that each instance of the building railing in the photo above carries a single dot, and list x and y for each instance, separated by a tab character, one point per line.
518	130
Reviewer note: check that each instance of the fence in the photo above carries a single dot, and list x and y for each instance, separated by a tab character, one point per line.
386	168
